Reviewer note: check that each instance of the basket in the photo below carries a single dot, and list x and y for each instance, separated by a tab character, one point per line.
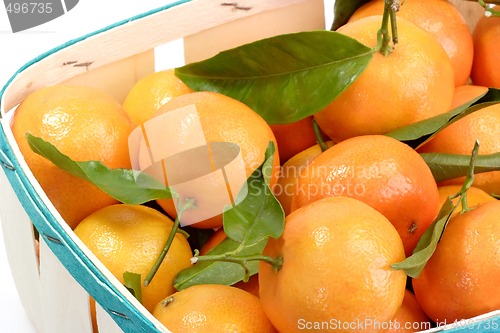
55	291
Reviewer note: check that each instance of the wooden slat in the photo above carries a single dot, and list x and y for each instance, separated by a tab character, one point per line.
129	39
306	15
118	78
21	251
105	323
65	303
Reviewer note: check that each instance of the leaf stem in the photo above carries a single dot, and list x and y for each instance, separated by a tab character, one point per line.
188	204
469	179
319	136
488	7
383	38
394	28
276	263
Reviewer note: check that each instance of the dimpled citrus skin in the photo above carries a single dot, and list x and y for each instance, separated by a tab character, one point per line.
466	93
475	196
443	20
336	256
459	138
460	280
410	317
225	119
130	238
486	49
285	188
414	82
294	137
210	308
383	172
151	92
83	123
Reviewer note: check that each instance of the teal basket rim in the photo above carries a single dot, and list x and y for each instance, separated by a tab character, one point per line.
127	316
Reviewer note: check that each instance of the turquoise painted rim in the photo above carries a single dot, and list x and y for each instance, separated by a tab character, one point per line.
127	316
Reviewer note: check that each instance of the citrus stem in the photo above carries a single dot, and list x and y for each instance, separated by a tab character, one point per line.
383	36
187	205
276	263
469	180
319	137
394	28
488	10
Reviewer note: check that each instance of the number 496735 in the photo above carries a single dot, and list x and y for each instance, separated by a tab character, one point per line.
29	8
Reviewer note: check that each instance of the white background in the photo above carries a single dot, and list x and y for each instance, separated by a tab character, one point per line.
19	48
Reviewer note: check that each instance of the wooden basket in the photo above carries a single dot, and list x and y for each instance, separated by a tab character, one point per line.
55	290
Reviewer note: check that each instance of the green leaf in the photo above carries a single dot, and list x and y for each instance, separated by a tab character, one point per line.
493	95
196	236
448	166
415	135
219	272
127	186
132	282
418	133
427	244
248	226
259	214
283	78
343	10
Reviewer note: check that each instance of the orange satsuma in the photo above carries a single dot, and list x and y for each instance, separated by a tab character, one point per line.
412	83
336	256
410	317
440	18
380	171
130	238
286	187
294	137
225	119
151	92
460	280
459	138
466	93
475	196
486	49
212	308
83	123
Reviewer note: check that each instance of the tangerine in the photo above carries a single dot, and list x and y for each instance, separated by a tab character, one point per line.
83	123
460	280
410	317
336	255
294	137
130	238
486	38
151	92
224	119
212	308
440	18
460	137
383	172
414	82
